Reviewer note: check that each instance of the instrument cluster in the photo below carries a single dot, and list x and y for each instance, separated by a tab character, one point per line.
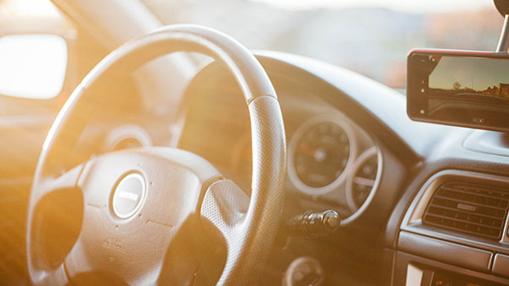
331	159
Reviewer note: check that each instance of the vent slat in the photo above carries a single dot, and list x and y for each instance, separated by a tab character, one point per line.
490	234
478	199
491	191
487	222
480	191
468	208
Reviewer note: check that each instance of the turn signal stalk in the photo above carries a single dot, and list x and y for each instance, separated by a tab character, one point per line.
314	224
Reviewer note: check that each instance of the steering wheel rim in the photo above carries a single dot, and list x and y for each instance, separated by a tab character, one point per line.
255	229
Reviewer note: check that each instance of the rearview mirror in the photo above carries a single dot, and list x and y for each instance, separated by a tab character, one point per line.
32	66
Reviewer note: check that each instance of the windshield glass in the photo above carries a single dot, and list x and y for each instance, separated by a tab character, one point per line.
372	37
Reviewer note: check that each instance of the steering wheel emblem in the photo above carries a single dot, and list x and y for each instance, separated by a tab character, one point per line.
129	195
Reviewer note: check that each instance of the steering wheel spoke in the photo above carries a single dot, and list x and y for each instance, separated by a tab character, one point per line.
56	276
65	181
225	206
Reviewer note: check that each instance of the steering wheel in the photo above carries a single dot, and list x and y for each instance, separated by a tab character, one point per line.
153	215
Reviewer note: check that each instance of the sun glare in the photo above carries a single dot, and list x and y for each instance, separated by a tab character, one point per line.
417	6
27	8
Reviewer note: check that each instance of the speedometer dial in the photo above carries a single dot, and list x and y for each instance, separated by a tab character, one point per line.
320	152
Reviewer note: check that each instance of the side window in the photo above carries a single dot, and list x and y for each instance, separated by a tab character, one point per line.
32	66
36	44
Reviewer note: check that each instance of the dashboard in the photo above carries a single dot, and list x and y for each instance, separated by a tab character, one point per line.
419	203
352	148
335	160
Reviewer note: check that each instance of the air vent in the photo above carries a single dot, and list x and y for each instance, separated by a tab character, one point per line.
478	210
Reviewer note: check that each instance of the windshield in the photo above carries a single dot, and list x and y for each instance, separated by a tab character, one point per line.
372	37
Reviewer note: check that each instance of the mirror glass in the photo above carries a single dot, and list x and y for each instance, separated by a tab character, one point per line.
32	66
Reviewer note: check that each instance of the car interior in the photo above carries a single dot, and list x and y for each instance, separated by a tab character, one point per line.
144	143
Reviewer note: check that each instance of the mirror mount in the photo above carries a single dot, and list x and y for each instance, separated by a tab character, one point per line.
503	41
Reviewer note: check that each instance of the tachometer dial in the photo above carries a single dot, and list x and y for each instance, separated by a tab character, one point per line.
363	180
320	152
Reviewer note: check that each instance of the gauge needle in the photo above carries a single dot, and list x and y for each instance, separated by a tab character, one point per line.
364	181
